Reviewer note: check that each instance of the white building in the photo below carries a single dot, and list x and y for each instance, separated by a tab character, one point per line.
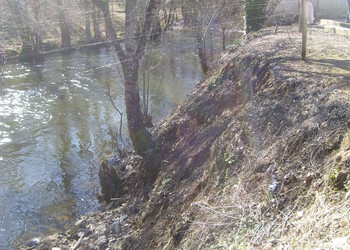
333	9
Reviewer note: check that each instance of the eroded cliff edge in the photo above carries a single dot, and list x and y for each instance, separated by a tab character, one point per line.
258	156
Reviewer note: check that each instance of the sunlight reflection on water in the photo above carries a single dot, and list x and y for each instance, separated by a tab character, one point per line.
57	123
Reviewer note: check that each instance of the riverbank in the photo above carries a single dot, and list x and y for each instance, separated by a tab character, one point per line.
256	157
57	123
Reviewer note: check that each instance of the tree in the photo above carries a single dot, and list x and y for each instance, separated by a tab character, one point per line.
229	15
87	10
20	15
96	17
130	59
257	12
65	32
169	11
202	14
37	31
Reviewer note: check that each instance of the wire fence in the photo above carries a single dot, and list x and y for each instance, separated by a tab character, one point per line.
204	26
111	41
189	10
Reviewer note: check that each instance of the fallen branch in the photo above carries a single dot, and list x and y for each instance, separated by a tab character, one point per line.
78	242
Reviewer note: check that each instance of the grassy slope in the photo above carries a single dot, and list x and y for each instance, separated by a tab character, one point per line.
257	157
252	158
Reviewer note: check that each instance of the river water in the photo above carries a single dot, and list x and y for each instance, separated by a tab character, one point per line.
57	123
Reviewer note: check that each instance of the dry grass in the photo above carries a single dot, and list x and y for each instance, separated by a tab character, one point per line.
243	212
238	222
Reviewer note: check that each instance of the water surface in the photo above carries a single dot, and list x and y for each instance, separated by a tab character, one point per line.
57	123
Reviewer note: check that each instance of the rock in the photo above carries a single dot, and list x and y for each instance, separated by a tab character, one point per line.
300	214
308	179
80	223
289	178
135	159
129	168
273	242
128	171
56	248
116	228
109	181
273	185
110	205
101	230
102	240
341	180
91	246
33	243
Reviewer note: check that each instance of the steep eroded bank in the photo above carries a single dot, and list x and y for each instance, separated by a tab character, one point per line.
256	157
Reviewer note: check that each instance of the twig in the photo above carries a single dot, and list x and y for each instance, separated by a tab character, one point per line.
116	199
78	242
121	113
287	217
214	211
290	40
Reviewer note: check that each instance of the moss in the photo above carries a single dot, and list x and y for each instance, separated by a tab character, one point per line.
338	180
166	183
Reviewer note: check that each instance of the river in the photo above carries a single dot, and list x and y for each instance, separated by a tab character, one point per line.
57	123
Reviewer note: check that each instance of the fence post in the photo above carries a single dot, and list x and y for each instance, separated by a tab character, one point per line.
300	16
304	24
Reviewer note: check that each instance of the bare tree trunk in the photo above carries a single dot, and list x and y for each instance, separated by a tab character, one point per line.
130	60
139	135
156	29
65	32
197	20
38	37
87	8
170	17
130	42
96	17
202	52
223	30
186	16
22	22
111	35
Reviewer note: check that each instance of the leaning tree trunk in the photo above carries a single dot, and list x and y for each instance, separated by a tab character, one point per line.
139	135
130	59
198	22
111	35
65	32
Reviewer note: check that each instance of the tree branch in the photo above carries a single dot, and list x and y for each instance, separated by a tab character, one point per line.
147	27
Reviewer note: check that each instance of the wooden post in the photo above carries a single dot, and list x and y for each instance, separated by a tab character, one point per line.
304	36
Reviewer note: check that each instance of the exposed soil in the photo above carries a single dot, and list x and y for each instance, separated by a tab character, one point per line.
258	157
